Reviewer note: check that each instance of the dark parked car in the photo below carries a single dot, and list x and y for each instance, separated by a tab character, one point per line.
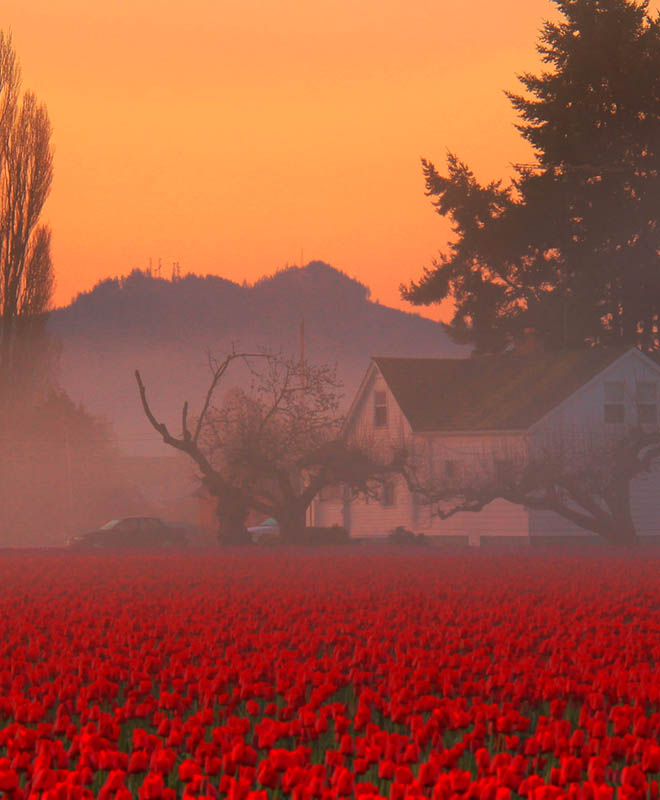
131	532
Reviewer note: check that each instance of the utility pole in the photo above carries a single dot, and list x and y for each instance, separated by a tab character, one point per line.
303	380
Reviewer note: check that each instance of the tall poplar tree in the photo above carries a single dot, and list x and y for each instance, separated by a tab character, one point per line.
26	270
570	246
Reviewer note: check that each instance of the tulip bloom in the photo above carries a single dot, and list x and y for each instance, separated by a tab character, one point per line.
188	770
152	787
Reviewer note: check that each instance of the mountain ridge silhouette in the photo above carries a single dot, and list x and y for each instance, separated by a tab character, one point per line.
167	328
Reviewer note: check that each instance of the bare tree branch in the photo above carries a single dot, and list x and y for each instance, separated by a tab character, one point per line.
26	270
272	449
184	422
218	371
589	487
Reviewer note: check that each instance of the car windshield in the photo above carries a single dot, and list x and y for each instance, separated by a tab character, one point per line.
109	525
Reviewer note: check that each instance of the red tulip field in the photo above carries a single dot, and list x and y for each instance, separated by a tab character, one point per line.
320	675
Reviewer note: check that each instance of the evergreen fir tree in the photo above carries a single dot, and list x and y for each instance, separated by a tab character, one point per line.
570	247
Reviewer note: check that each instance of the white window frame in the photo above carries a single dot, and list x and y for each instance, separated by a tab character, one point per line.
388	495
380	404
614	402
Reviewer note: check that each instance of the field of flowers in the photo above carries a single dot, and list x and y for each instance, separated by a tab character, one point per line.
347	674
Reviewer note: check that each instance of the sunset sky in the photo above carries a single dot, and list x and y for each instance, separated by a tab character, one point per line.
236	136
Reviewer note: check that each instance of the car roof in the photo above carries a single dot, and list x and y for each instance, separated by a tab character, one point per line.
111	524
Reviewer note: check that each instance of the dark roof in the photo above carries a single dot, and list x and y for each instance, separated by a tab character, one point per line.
500	392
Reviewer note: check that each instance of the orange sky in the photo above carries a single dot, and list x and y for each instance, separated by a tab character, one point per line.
233	136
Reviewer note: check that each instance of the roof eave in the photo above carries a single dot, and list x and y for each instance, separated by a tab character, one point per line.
358	396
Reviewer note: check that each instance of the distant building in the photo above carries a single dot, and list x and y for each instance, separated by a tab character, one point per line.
460	414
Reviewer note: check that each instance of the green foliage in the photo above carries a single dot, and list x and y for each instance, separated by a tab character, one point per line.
569	247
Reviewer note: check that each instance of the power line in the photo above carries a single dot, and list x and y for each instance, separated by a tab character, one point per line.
574	167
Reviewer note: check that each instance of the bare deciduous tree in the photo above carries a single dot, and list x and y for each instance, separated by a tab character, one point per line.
26	171
273	447
583	478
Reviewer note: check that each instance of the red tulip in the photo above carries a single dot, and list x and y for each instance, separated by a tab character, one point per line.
267	774
651	759
460	780
188	770
397	791
603	792
8	779
152	787
345	784
427	774
528	785
547	793
633	776
115	780
360	766
252	708
403	775
386	770
139	762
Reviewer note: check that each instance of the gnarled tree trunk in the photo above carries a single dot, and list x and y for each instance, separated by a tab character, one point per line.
623	531
232	512
292	521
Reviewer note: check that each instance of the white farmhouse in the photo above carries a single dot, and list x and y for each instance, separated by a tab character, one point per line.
460	415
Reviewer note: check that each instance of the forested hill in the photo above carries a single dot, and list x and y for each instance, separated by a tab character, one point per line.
166	328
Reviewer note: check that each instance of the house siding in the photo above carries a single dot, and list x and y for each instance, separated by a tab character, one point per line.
326	513
578	420
469	454
369	519
645	505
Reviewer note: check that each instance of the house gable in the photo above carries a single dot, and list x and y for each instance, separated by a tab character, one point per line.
361	418
585	408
